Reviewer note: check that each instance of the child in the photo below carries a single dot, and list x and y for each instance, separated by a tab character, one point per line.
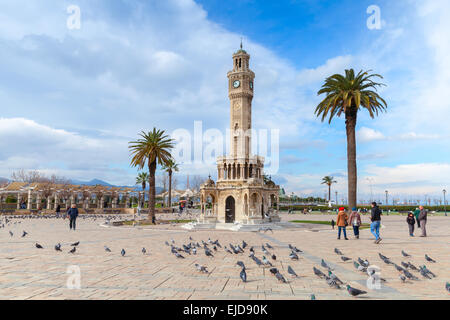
411	221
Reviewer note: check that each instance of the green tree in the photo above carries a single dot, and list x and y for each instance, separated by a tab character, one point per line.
142	179
170	167
345	95
328	180
151	149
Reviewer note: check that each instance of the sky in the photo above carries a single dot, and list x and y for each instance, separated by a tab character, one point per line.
71	99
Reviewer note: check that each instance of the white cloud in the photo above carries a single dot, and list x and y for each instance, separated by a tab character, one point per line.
367	134
332	66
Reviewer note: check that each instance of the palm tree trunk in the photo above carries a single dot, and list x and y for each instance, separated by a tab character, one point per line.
170	189
350	124
151	191
329	192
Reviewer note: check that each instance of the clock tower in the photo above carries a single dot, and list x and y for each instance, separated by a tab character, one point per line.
240	93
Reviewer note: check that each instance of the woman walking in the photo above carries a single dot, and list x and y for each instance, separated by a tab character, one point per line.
342	223
355	221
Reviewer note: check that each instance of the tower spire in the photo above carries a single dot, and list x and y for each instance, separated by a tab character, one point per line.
241	43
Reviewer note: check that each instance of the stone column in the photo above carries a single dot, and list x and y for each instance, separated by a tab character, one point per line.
127	200
49	205
29	200
18	200
102	202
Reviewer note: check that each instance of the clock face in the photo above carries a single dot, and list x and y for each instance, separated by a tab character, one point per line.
236	84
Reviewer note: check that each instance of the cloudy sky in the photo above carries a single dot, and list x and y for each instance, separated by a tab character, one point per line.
72	99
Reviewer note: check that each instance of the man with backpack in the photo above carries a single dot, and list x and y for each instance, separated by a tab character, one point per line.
375	217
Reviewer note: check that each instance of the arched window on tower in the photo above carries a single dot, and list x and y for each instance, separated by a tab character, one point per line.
240	60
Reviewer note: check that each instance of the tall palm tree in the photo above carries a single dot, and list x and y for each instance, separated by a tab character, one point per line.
328	180
142	179
170	167
346	94
152	149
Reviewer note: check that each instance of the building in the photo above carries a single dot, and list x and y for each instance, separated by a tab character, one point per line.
241	194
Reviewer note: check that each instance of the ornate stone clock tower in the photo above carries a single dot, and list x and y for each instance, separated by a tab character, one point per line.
241	194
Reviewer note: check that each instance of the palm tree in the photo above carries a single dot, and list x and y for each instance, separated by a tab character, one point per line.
142	179
346	94
170	167
152	149
328	180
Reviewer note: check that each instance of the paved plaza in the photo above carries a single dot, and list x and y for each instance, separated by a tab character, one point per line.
30	273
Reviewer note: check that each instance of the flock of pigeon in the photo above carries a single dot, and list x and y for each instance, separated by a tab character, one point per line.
210	248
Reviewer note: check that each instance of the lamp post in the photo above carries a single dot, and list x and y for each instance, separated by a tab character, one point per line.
445	208
336	198
387	193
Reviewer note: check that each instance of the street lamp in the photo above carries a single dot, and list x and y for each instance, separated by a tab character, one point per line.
445	208
336	198
387	193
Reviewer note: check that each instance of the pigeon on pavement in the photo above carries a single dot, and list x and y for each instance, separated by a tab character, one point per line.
292	272
345	259
319	273
355	292
122	252
429	259
73	250
201	268
58	247
405	254
339	252
39	246
243	275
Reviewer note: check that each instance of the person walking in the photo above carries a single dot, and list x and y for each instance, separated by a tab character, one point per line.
355	220
375	217
58	210
342	223
333	223
411	220
423	220
416	214
73	214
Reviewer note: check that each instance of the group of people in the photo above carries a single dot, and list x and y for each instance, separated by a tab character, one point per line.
419	215
354	219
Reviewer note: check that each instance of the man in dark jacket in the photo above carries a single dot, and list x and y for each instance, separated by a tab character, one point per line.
423	221
376	222
73	214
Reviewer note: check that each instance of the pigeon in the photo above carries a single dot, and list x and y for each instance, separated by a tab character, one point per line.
359	267
75	244
293	256
429	259
402	278
405	254
412	267
335	278
294	248
73	250
355	292
325	265
58	247
258	262
405	265
167	244
243	275
345	259
264	250
178	255
208	253
269	246
215	248
274	257
424	273
11	233
144	251
364	263
447	286
273	270
24	233
244	244
201	268
228	250
280	277
427	271
107	249
122	252
332	283
39	246
319	273
338	252
266	262
240	264
252	250
385	259
409	275
292	272
194	251
398	267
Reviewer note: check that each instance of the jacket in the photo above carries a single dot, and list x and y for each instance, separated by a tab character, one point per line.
375	214
410	219
423	215
341	219
73	212
354	216
416	213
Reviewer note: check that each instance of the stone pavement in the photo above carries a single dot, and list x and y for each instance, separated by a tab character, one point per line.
30	273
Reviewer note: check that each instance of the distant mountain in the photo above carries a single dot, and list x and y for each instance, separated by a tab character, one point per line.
3	180
95	182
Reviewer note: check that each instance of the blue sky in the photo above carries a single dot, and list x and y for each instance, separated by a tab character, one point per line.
72	99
